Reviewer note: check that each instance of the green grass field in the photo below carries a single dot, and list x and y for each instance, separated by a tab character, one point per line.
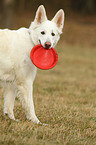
65	99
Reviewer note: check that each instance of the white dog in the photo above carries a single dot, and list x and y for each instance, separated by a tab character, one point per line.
17	72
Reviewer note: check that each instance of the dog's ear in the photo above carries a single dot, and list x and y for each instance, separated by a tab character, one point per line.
59	19
40	15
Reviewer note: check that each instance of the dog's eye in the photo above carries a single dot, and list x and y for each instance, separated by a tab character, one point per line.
43	33
53	34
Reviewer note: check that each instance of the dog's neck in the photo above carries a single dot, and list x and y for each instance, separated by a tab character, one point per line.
30	37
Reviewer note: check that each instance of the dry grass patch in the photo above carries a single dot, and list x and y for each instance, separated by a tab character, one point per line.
65	99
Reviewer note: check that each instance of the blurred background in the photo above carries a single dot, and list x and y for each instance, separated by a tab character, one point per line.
65	96
80	17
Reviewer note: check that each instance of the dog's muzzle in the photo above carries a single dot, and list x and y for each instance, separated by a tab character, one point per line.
47	45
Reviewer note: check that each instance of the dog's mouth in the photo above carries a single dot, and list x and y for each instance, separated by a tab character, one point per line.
39	41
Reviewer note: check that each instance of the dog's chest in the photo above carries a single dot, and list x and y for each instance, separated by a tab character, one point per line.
16	65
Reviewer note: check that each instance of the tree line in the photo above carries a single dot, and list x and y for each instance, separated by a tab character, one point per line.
8	7
79	5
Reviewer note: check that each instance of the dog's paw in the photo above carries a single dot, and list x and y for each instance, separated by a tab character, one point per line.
17	120
9	116
42	123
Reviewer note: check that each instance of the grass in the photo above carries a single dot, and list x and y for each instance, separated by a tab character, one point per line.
65	96
65	99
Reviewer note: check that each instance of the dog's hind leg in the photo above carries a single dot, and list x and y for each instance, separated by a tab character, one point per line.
9	98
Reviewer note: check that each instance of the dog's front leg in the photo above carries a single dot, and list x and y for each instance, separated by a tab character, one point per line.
26	96
9	98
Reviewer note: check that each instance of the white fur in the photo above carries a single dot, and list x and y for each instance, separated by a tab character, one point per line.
17	72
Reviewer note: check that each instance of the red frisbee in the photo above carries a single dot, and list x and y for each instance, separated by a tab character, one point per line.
43	58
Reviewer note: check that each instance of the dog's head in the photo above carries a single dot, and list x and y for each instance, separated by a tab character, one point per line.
45	32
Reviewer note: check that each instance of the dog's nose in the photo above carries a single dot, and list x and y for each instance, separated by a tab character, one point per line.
47	45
